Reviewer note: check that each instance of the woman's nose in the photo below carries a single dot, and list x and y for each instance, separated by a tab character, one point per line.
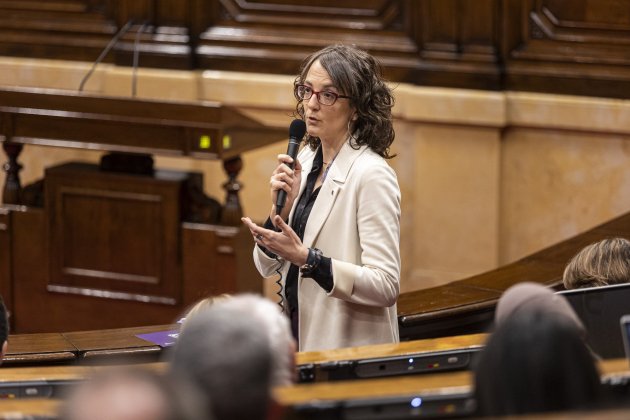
313	102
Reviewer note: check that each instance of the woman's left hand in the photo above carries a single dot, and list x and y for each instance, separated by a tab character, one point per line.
285	243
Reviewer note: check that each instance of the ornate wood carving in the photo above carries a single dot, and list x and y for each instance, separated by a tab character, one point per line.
275	36
577	47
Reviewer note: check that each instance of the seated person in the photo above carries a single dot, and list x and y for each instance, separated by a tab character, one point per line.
201	305
133	394
599	264
4	329
528	295
536	359
240	346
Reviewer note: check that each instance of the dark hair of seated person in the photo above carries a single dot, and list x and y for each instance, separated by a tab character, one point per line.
536	363
4	328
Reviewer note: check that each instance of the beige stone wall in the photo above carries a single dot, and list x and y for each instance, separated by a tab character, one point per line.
486	177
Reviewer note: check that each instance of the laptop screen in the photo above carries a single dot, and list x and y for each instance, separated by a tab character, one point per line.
600	309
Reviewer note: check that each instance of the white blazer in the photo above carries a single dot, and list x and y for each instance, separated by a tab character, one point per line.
355	220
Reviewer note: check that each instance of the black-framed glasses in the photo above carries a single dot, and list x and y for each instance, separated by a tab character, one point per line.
324	97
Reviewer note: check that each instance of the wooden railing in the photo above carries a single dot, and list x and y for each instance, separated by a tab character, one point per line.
467	306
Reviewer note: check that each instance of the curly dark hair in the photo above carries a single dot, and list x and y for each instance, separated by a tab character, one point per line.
356	74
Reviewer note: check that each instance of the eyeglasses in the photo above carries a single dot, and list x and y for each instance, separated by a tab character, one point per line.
324	97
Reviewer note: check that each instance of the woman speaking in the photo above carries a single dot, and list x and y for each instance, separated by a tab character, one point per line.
336	240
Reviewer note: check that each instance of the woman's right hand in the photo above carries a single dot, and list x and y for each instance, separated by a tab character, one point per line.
287	179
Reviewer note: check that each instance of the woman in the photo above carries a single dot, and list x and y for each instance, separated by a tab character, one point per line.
336	241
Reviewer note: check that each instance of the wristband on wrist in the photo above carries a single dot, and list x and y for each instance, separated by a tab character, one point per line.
312	262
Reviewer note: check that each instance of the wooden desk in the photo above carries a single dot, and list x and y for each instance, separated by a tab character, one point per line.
83	346
411	357
431	384
39	349
448	393
442	391
438	392
51	381
397	349
115	343
63	373
27	408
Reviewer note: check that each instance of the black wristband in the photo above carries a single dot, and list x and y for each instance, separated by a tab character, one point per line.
312	262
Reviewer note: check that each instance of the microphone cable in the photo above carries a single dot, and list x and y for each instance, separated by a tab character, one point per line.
105	51
280	289
136	57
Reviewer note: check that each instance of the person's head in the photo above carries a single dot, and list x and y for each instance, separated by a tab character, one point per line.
277	328
535	362
201	305
133	394
226	354
4	329
363	110
599	264
528	296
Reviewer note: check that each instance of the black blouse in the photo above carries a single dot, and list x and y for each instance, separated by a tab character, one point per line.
323	273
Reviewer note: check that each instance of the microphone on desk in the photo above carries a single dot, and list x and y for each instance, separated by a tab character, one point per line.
297	129
109	46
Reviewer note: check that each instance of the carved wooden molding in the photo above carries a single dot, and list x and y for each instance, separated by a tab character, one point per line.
539	45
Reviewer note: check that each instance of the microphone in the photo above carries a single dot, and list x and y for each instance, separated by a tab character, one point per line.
297	129
136	57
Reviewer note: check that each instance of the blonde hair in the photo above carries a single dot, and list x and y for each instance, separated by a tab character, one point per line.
200	305
599	264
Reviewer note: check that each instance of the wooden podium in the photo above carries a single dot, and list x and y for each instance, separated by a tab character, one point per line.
120	244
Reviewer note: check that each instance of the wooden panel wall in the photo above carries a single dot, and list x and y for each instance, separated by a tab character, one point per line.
577	47
114	233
